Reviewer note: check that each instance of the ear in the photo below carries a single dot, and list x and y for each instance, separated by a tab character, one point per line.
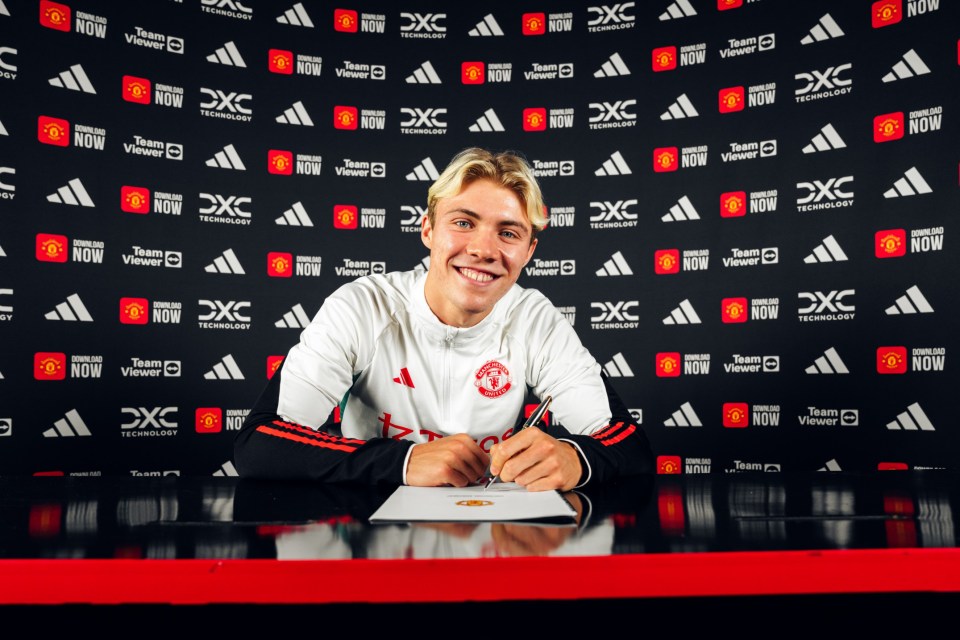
426	232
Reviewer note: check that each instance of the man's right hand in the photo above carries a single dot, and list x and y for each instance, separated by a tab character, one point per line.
452	461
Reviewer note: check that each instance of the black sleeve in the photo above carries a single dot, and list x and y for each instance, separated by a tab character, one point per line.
267	446
619	449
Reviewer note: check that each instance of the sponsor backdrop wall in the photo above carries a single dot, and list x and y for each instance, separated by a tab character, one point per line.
748	201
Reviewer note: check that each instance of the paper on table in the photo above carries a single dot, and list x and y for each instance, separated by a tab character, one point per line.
505	501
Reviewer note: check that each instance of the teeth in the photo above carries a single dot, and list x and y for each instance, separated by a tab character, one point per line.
476	275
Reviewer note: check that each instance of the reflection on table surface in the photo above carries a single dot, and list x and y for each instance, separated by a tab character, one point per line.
230	518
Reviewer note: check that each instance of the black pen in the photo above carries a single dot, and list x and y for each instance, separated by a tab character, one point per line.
531	421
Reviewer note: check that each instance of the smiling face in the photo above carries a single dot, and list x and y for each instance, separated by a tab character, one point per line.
479	242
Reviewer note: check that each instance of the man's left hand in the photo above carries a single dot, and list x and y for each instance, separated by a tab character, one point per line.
536	461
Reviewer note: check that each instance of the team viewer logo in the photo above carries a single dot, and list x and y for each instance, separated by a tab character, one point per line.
279	265
280	162
891	360
492	379
134	310
736	415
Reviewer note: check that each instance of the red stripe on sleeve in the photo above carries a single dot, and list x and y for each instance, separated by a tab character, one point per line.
270	431
620	436
607	430
317	434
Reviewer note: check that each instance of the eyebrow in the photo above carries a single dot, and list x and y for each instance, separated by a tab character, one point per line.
476	216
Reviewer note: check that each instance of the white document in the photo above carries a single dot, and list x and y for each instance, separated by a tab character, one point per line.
503	501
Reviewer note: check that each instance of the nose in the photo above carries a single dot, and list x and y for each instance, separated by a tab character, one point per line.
483	245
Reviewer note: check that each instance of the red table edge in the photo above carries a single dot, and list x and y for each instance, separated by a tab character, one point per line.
465	580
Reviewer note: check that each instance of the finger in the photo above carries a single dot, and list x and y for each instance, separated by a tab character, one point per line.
515	468
511	447
541	449
471	459
457	478
475	464
541	475
546	483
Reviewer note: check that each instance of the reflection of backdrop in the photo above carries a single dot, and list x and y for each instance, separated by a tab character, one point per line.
748	210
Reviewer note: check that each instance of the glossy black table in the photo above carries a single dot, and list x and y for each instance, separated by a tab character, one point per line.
175	540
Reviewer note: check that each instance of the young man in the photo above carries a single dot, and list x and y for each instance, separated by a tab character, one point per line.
431	371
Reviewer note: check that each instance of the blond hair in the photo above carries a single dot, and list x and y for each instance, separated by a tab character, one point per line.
507	169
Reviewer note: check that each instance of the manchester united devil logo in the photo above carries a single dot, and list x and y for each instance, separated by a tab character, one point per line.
493	379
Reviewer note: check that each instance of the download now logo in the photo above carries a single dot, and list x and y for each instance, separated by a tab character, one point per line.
885	13
668	365
49	365
472	72
273	364
736	415
134	310
666	159
209	420
535	119
345	118
345	20
51	247
664	58
733	310
888	126
731	99
666	261
55	131
279	264
54	15
534	24
280	61
891	360
733	204
137	89
135	199
280	162
891	243
344	216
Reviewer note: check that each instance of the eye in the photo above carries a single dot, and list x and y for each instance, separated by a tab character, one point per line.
463	224
510	234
